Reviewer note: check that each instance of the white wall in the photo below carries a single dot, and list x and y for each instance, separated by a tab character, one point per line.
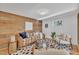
69	25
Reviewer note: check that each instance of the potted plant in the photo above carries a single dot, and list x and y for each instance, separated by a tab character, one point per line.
53	35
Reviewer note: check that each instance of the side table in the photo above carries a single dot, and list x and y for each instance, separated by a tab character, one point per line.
12	47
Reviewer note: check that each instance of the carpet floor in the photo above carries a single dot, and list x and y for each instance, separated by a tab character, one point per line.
28	50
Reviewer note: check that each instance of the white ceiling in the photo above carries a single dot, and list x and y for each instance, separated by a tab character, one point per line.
37	10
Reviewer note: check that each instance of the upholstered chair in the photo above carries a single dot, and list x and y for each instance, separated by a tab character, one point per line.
64	39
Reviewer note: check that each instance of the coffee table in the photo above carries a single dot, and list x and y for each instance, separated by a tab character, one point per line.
45	43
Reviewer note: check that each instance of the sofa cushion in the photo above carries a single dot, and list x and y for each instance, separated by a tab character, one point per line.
23	35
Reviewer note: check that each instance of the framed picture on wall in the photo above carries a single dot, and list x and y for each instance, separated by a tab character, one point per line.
46	25
28	26
58	22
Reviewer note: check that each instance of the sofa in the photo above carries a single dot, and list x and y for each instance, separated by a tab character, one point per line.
22	42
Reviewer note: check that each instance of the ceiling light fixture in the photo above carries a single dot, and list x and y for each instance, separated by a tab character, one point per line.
43	11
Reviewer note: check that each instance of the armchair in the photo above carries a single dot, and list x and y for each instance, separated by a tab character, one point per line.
64	40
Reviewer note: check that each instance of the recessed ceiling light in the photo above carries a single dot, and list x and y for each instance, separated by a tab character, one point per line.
43	11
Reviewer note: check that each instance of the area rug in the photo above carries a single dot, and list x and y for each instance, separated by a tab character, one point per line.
51	51
24	51
28	50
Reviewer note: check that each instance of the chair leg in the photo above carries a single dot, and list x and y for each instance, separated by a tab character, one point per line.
33	48
71	46
71	43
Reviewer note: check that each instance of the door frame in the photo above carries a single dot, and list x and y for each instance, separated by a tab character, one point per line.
78	28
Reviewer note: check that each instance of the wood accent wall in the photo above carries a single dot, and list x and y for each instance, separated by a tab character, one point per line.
12	23
4	44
